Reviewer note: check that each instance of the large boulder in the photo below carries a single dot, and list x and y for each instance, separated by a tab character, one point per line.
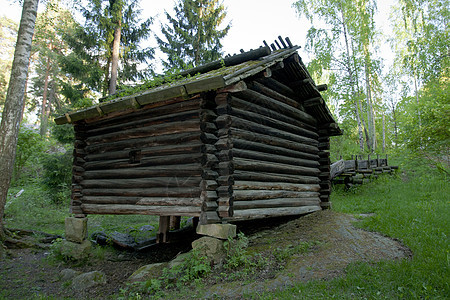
75	251
88	280
147	272
68	274
211	248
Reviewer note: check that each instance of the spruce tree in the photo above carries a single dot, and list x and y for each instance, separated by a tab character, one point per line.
92	61
193	35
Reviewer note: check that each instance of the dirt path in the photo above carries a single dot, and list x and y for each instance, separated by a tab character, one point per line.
337	243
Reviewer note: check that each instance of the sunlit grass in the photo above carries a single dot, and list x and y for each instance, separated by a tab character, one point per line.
413	209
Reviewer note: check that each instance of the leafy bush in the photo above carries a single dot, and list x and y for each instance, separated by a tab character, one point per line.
29	146
58	175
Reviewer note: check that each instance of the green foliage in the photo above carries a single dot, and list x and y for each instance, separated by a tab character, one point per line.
193	268
57	175
64	134
282	254
8	35
192	37
237	255
90	43
413	208
29	147
30	206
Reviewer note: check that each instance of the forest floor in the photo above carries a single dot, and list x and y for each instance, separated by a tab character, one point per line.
335	243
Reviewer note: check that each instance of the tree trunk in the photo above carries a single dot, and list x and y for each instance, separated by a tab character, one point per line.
12	113
394	115
350	73
115	58
45	111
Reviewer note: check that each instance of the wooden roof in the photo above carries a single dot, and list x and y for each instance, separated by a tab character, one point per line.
223	73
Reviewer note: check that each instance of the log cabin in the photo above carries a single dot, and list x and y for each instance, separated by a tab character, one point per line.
246	137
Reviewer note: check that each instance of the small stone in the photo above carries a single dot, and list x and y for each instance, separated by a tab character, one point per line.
147	228
74	250
220	231
147	272
76	229
87	280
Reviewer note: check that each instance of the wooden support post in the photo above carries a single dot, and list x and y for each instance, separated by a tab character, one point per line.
175	222
163	230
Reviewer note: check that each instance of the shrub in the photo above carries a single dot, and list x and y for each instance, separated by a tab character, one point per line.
58	175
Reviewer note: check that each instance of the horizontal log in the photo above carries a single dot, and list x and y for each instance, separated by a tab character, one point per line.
209	174
228	201
273	177
190	192
260	156
118	209
262	147
110	200
225	211
253	126
261	213
271	167
208	138
191	147
245	195
167	139
147	111
277	86
269	118
209	217
144	162
208	185
159	115
208	196
273	141
262	89
143	182
262	100
225	180
188	125
255	185
209	206
177	170
277	202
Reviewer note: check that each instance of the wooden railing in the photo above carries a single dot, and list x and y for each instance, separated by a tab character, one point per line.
359	170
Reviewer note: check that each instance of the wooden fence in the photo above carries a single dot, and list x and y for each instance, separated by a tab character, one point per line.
359	170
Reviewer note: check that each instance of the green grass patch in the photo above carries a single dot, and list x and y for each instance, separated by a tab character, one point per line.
413	208
30	206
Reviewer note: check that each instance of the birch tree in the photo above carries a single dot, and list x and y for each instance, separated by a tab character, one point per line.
341	45
12	113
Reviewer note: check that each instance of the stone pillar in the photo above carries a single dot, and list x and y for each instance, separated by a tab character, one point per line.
76	229
76	244
219	231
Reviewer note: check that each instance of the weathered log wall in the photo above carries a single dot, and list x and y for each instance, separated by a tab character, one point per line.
268	153
147	162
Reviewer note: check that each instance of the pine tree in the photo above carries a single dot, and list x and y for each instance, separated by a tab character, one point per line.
49	47
193	35
94	60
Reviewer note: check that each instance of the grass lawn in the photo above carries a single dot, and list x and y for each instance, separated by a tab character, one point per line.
413	209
